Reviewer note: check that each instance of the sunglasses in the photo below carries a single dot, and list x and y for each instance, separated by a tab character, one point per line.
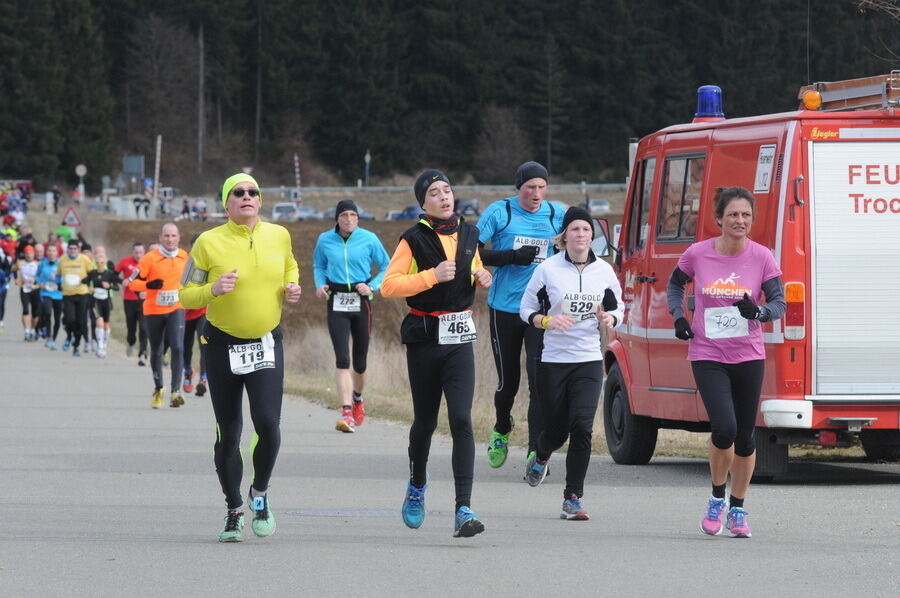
240	192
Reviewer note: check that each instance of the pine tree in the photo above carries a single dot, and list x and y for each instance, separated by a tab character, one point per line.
32	83
87	104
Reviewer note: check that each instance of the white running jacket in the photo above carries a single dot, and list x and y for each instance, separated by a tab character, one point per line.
556	288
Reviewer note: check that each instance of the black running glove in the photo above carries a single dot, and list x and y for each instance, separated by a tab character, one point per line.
524	255
609	300
683	329
155	284
747	307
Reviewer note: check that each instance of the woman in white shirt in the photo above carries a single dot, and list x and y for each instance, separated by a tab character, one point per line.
570	295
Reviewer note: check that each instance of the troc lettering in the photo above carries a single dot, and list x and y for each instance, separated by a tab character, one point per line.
874	205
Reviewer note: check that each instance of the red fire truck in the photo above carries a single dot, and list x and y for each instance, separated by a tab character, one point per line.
827	182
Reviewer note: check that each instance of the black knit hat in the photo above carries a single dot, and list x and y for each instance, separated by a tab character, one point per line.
343	206
576	213
425	180
530	170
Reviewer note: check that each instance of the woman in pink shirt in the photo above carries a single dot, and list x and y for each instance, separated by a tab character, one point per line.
730	273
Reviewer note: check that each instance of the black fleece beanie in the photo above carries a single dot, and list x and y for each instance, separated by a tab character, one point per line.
530	170
576	213
425	181
343	206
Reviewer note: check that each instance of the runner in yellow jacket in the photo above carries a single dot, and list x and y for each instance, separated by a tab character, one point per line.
242	272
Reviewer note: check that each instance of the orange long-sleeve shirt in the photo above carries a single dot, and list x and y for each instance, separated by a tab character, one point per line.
403	278
155	265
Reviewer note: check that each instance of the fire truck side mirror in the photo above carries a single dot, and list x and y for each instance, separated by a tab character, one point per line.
602	245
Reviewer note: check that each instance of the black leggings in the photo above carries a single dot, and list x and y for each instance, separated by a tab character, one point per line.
508	331
194	328
264	392
341	326
75	309
2	304
31	303
730	393
92	316
171	327
102	309
134	321
51	307
569	395
449	369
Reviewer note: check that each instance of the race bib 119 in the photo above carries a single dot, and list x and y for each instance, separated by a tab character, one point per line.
250	357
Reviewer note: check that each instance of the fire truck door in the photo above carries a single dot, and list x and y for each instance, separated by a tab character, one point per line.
672	381
633	331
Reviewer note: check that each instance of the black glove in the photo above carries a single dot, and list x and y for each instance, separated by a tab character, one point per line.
155	284
609	300
524	255
747	307
683	329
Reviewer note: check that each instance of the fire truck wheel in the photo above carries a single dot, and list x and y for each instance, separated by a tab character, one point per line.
881	445
631	439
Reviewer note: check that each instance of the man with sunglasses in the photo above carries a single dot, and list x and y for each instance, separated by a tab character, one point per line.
160	272
242	271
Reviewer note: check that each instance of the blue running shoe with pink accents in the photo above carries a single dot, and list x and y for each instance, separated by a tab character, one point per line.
712	520
736	522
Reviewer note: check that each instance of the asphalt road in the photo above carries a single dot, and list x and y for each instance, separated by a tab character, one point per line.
105	497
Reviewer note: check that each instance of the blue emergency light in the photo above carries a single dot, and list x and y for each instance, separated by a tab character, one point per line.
709	102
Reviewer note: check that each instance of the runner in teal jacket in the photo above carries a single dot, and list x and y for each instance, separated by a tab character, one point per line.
342	270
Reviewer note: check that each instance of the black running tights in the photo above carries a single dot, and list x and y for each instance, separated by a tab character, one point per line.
449	370
264	392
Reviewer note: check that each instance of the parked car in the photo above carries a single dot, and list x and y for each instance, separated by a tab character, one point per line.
286	212
408	213
598	207
467	206
291	212
308	213
363	214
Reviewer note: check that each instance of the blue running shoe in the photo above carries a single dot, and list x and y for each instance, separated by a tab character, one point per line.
535	470
413	509
76	352
67	344
466	524
712	519
572	510
736	523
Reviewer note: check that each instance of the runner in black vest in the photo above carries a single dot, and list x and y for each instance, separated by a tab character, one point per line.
438	334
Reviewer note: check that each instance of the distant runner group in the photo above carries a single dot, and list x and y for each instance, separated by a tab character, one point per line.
548	291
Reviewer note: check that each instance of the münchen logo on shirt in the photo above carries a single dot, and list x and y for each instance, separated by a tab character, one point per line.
726	288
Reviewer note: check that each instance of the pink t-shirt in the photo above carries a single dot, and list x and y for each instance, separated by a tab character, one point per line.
720	332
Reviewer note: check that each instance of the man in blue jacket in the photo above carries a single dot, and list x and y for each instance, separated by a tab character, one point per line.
342	268
520	231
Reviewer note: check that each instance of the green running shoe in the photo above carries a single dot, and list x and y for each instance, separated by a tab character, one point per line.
234	527
263	523
498	449
498	446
